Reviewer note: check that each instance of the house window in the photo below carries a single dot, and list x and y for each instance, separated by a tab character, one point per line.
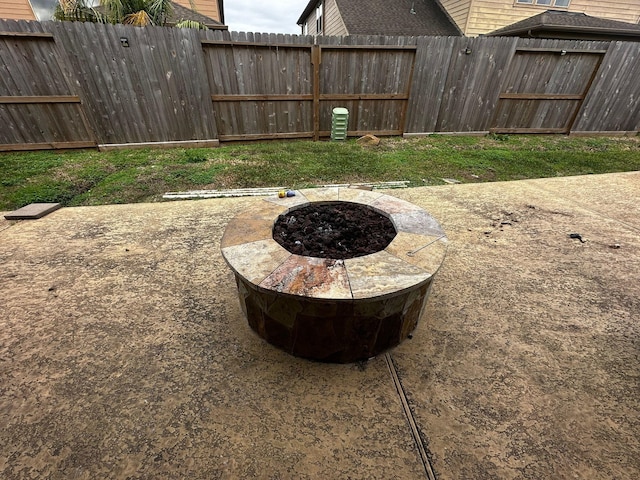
319	18
551	3
44	9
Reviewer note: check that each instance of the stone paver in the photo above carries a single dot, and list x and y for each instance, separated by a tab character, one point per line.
33	211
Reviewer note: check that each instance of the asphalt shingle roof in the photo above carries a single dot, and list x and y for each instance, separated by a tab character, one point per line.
568	21
392	17
180	13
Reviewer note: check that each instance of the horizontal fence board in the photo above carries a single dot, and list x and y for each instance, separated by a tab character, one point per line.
541	96
360	133
213	43
18	147
41	99
528	130
175	144
369	47
563	51
364	96
27	35
257	97
265	136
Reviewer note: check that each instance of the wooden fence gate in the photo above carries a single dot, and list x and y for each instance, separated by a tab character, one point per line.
544	89
269	91
38	108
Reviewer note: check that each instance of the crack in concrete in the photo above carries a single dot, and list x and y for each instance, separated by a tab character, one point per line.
415	433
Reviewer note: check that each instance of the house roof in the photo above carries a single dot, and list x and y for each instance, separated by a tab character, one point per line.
180	13
577	25
391	17
210	8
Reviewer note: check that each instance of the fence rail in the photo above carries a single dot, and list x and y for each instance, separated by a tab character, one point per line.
73	85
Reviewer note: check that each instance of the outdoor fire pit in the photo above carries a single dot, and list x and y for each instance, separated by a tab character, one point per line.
334	274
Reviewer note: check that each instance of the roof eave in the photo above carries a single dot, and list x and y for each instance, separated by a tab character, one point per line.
307	11
566	28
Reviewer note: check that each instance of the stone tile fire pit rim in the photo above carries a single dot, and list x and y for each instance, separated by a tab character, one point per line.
275	255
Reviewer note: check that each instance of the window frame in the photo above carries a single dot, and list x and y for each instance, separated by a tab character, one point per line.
319	18
534	3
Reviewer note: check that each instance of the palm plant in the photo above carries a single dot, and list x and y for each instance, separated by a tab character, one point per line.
137	12
131	12
76	11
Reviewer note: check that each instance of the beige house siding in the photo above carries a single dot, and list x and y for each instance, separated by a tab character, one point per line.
311	24
334	25
332	21
627	11
458	10
16	9
488	15
209	8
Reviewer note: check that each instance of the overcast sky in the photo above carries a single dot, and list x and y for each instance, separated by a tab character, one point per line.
275	16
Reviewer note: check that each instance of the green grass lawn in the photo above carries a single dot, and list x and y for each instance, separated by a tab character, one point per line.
89	177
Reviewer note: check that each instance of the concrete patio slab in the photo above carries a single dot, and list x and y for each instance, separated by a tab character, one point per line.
124	353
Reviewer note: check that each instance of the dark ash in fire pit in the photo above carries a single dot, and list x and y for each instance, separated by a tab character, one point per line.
338	230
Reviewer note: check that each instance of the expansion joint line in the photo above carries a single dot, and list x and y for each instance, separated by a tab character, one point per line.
409	415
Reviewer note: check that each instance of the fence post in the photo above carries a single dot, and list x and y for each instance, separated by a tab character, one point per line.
316	59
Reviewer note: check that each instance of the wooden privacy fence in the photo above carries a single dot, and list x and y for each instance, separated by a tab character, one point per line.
289	90
66	85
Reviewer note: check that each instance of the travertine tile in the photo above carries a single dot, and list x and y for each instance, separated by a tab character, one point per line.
356	195
246	229
297	199
417	221
424	251
310	277
381	274
321	194
391	205
256	260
